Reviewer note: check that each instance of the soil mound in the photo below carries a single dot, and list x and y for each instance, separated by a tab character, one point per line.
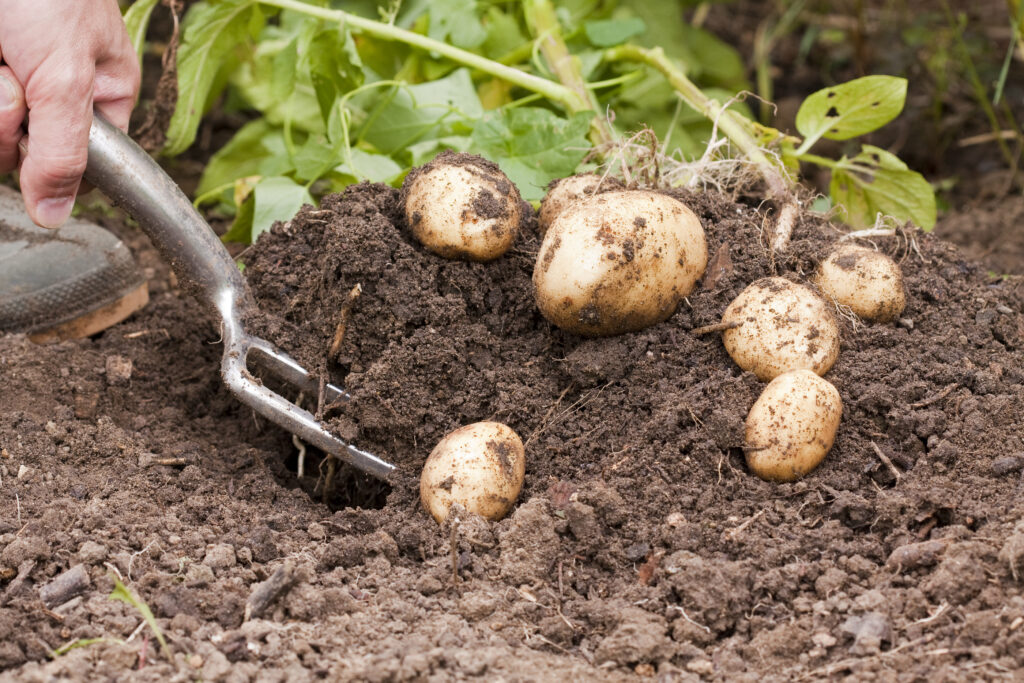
640	545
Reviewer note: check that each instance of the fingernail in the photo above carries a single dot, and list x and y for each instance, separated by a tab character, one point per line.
52	213
8	95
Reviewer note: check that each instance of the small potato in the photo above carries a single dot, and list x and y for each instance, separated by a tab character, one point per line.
461	206
792	426
867	281
618	262
782	326
479	466
565	191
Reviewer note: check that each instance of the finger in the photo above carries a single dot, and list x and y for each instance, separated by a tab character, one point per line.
117	87
12	116
60	113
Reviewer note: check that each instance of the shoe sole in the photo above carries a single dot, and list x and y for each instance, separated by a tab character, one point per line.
97	320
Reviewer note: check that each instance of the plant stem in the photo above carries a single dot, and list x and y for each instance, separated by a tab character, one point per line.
549	89
542	18
731	124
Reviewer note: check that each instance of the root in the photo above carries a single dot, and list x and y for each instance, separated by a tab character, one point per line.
343	318
717	327
784	226
332	470
888	463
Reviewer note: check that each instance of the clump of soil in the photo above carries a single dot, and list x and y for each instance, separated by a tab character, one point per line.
640	544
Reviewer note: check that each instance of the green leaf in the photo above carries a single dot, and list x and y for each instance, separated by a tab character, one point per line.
243	156
876	181
376	168
334	67
457	22
285	66
406	115
211	32
609	32
854	108
121	593
241	228
503	34
422	152
276	199
533	146
136	20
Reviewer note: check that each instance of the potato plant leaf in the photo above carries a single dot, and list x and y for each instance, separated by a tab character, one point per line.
876	181
533	146
403	116
334	67
456	20
275	197
136	20
609	32
211	32
845	111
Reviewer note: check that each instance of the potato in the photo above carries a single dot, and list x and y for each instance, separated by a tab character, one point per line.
565	191
461	206
618	262
867	281
792	426
782	326
479	466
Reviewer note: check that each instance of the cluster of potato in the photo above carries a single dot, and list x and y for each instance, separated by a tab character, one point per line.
615	260
787	335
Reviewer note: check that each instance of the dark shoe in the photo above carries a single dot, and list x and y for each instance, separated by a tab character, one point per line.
66	283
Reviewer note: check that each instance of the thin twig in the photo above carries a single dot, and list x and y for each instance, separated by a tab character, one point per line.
343	318
717	327
888	463
936	398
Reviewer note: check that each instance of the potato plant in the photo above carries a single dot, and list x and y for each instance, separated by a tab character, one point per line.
339	96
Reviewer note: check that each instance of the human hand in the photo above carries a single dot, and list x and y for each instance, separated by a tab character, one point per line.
58	60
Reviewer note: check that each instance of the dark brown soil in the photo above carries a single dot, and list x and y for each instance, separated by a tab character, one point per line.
640	545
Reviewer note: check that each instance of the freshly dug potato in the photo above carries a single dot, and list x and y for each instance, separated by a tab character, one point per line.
792	426
479	466
867	281
565	191
618	262
461	206
782	326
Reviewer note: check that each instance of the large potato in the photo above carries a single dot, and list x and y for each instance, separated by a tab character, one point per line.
792	426
867	281
618	262
781	326
565	191
461	206
479	466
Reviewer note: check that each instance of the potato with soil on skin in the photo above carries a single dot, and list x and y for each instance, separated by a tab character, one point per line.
479	466
618	262
867	281
792	426
461	206
566	191
780	326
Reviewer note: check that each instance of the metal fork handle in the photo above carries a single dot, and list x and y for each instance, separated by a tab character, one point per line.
128	175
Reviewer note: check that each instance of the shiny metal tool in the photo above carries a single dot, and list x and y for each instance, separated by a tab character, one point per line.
126	174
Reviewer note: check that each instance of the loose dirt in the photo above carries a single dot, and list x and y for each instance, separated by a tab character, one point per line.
640	545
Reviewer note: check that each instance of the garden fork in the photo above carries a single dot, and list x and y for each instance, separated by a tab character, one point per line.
128	176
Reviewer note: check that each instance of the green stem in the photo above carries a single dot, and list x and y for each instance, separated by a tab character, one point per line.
821	161
732	125
542	18
549	89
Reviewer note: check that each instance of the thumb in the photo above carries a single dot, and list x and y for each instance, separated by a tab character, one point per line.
60	114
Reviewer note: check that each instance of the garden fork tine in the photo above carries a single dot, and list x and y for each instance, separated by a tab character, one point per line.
126	174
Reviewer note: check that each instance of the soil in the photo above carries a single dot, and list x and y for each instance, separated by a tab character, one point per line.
640	545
